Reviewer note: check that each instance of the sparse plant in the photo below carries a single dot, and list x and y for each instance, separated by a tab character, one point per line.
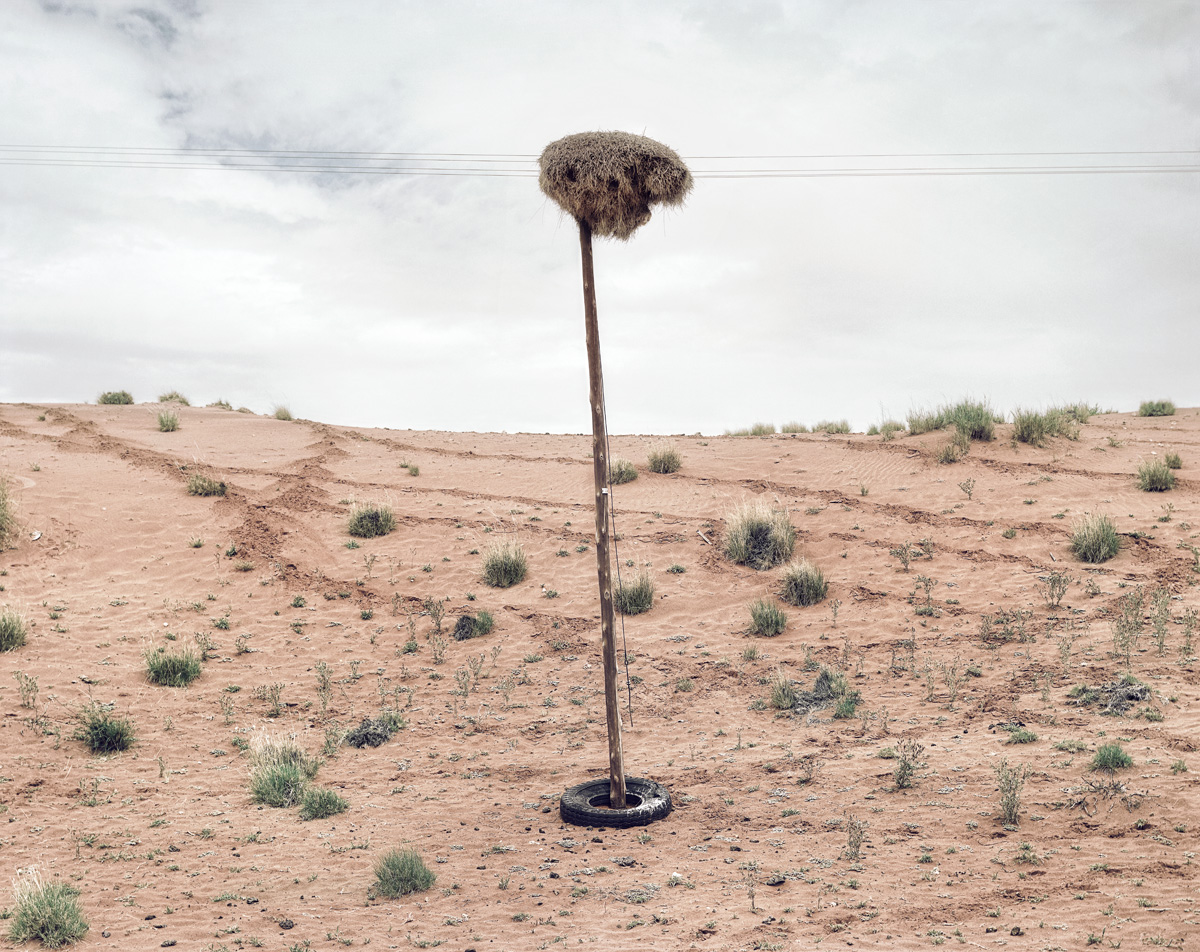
13	629
856	830
803	584
173	396
621	471
282	413
317	803
101	731
1111	758
766	618
1053	587
783	693
115	397
400	873
1094	539
49	912
8	517
1154	476
1156	408
793	427
759	536
635	596
967	486
664	458
27	687
908	759
279	770
369	520
199	485
834	427
173	669
1173	460
168	421
504	564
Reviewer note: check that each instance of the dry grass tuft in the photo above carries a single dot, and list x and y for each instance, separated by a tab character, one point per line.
759	536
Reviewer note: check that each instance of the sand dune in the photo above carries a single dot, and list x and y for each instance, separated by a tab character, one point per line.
165	845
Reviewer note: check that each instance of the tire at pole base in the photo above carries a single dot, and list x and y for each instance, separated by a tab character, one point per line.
586	804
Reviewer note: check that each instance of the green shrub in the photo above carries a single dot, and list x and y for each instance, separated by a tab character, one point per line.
635	596
173	396
370	520
1157	408
889	429
1173	460
803	584
168	421
1094	539
115	397
1078	412
8	517
279	770
832	426
873	429
221	405
621	471
283	413
1110	758
317	803
793	427
13	629
1154	476
484	622
48	912
102	732
664	458
504	565
976	421
172	669
767	618
401	873
925	421
1034	428
198	485
758	536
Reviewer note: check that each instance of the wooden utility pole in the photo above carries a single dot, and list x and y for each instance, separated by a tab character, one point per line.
616	757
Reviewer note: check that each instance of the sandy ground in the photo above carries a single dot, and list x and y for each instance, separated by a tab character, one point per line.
166	846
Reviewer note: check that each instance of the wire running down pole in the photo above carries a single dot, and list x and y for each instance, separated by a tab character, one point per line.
616	757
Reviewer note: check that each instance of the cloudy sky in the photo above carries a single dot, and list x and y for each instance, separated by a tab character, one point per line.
454	301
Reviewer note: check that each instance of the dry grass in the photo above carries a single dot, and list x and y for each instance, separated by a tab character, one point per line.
758	536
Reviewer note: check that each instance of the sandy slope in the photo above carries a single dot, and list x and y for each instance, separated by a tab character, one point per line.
165	844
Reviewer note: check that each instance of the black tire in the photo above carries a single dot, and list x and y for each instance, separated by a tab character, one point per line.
586	804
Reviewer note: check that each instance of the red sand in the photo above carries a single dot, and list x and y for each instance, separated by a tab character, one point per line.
164	843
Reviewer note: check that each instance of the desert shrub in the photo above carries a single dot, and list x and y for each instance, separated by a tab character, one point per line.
401	873
464	628
1010	780
1034	428
758	536
173	396
925	421
783	693
13	629
221	405
1173	460
370	520
873	429
484	622
48	912
975	420
664	458
758	429
1110	758
317	803
832	426
8	517
889	429
504	565
621	471
1094	539
793	427
279	770
172	669
198	485
168	421
282	413
1078	412
374	731
635	596
116	397
1154	476
1156	408
803	584
767	618
101	731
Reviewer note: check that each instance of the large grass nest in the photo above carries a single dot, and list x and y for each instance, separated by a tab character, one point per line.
610	179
